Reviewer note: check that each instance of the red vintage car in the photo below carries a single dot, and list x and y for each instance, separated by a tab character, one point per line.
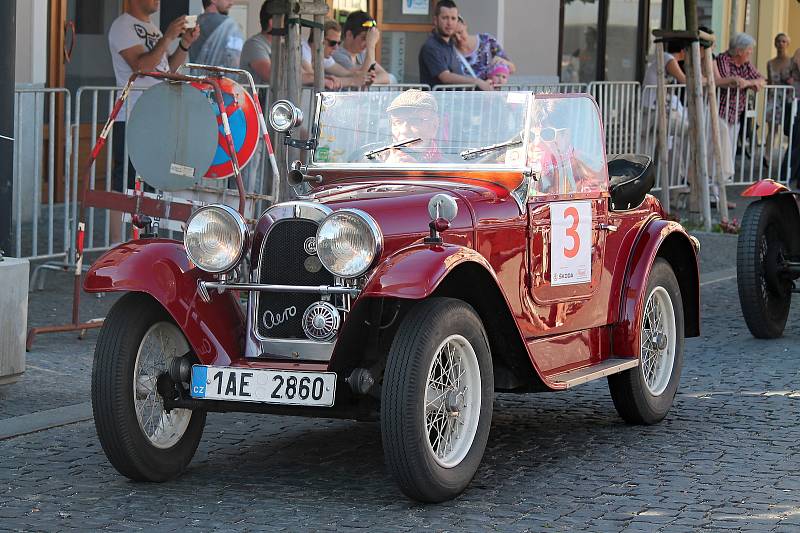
445	246
768	257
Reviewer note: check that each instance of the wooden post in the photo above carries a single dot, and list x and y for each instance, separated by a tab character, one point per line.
662	125
734	17
697	134
713	114
319	69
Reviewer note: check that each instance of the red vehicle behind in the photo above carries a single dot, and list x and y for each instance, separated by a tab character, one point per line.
768	257
445	247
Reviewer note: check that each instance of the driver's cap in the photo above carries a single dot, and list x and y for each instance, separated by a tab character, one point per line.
416	100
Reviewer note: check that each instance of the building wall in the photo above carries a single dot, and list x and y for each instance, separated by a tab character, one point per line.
31	42
531	29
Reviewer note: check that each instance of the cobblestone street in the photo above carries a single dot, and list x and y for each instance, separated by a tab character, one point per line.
725	458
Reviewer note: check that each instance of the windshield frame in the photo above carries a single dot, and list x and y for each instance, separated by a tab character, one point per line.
464	166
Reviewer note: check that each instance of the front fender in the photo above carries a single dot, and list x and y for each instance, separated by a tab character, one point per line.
160	268
660	238
766	187
415	272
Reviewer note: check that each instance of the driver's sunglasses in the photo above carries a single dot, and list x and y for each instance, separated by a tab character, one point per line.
369	24
547	134
332	43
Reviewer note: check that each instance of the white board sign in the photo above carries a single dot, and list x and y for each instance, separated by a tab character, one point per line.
571	244
415	7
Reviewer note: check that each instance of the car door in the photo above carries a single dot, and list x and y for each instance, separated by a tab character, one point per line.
567	217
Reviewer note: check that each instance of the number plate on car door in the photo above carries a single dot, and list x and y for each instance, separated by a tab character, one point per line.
285	387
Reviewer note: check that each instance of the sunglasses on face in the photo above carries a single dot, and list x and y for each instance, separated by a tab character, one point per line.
544	134
332	43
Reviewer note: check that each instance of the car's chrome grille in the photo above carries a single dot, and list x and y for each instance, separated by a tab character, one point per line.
284	261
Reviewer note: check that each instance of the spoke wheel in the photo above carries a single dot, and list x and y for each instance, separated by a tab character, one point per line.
436	399
644	394
764	291
141	440
452	401
658	341
158	347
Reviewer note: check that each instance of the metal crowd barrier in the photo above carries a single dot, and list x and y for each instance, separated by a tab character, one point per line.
619	109
41	218
758	145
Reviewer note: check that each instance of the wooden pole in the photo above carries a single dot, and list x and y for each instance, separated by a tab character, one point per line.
713	114
734	17
697	135
662	125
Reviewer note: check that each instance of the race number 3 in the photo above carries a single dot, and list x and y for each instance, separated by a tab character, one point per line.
570	248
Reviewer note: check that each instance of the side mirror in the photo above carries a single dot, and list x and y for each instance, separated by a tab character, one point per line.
442	209
443	206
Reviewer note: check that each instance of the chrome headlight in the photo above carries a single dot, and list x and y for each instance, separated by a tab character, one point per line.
348	243
215	238
285	116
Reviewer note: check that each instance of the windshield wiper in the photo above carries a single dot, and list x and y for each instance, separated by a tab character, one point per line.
472	153
372	153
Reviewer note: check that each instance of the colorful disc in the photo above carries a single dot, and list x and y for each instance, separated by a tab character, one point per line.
243	121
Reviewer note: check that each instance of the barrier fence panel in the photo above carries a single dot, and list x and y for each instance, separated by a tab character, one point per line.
754	133
460	87
619	109
41	218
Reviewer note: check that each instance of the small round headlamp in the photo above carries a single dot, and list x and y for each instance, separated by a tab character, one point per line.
285	116
215	238
348	243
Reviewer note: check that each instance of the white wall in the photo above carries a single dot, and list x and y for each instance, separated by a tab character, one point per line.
530	33
31	42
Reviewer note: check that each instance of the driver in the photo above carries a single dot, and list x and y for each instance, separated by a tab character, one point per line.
414	114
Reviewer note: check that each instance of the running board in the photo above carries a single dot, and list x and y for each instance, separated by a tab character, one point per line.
589	373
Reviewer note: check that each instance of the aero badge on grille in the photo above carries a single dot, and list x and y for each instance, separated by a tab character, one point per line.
310	246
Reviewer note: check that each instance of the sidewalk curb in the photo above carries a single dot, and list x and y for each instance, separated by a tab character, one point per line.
44	420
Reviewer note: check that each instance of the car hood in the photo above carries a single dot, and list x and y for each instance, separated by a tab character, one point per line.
401	207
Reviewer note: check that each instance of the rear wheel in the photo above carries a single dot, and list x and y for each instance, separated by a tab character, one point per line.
436	404
644	394
141	440
764	294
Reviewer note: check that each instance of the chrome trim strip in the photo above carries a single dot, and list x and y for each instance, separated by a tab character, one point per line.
294	349
305	289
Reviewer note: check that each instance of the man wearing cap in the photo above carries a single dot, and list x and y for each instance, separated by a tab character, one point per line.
438	58
357	50
414	115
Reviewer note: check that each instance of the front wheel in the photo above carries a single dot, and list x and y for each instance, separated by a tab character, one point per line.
141	440
437	395
764	294
644	394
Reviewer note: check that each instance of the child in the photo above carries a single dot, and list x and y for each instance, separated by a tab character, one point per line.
499	74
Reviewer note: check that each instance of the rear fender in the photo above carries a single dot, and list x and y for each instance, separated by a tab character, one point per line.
160	268
660	238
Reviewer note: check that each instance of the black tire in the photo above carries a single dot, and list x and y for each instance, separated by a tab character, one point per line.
634	401
764	295
127	447
409	455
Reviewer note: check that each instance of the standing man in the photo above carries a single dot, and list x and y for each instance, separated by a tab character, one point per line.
357	50
336	76
257	50
137	45
221	40
438	59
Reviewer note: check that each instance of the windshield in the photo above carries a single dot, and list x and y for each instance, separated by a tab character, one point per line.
423	128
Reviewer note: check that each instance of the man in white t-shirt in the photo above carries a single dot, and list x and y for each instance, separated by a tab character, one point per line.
137	45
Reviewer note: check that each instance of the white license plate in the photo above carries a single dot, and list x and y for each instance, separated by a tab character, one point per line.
285	387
